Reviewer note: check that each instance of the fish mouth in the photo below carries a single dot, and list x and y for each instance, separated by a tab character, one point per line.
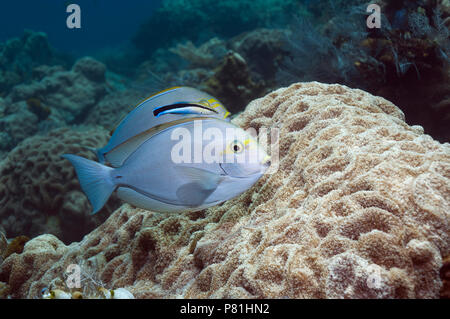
261	172
224	173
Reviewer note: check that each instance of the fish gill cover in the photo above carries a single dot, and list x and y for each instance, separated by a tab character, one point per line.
65	90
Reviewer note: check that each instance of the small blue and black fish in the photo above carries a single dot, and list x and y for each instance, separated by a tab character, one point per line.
147	176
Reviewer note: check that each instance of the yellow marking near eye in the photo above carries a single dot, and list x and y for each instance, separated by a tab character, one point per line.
226	115
249	143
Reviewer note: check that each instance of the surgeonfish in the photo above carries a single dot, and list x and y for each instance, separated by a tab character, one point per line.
141	161
159	111
151	177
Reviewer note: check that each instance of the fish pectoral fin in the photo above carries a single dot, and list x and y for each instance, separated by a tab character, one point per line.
200	184
192	194
205	179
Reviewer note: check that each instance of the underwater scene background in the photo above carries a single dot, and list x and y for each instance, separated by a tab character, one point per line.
356	195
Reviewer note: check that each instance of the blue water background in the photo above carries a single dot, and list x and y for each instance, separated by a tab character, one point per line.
104	23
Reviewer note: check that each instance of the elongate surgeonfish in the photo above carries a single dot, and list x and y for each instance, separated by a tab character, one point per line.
192	161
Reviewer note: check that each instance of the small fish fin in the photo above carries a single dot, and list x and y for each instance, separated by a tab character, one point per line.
201	184
94	179
206	179
192	194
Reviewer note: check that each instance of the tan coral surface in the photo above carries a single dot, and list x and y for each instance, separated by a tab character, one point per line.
359	208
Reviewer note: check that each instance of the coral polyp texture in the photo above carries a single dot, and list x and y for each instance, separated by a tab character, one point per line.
358	208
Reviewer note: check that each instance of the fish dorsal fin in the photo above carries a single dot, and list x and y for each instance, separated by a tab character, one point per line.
199	185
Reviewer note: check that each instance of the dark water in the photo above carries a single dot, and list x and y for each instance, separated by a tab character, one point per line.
55	100
105	23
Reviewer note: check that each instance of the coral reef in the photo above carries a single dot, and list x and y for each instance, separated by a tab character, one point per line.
52	99
4	290
358	208
35	106
208	54
18	57
16	123
232	83
199	20
3	246
15	246
39	192
113	107
263	49
236	71
67	93
445	276
325	53
405	61
230	78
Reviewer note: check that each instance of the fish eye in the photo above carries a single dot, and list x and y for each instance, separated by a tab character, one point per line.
237	146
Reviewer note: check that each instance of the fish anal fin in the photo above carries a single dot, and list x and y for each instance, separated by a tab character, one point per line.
205	179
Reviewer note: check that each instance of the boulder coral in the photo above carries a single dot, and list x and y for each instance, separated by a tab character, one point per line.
39	191
358	208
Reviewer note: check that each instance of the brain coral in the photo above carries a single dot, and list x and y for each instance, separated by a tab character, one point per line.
39	192
359	208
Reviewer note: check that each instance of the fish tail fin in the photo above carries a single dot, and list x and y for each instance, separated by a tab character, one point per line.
94	179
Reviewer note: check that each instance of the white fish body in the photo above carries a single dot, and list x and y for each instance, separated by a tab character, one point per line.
149	178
